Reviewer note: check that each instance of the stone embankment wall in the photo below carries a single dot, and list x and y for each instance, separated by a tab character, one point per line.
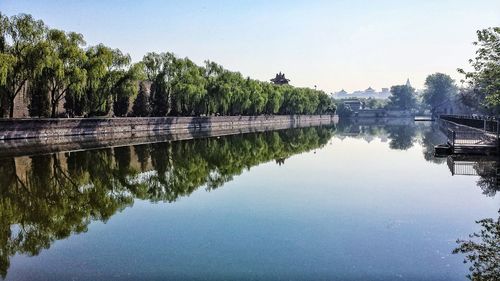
57	128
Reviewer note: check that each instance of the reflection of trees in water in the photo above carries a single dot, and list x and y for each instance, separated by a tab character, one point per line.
488	177
49	197
402	137
482	251
48	202
485	167
430	138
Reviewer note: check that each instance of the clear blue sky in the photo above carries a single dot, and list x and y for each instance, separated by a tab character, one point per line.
350	44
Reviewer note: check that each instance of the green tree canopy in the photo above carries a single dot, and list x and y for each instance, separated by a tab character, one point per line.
54	66
22	55
63	70
483	92
402	97
439	89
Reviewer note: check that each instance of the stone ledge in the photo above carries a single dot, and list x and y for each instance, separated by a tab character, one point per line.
56	128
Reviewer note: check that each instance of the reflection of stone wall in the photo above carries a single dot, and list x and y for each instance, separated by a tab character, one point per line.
23	165
135	163
42	128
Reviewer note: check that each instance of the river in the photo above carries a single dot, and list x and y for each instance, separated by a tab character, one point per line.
346	202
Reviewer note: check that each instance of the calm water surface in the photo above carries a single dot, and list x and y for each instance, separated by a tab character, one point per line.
351	202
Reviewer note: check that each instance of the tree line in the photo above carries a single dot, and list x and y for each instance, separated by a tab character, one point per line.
479	90
55	67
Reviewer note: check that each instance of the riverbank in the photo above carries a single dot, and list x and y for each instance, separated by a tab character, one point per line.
59	127
39	136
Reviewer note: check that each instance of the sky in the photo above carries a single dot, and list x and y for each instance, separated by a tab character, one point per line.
336	44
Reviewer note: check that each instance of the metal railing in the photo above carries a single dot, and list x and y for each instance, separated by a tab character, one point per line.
464	168
470	131
485	123
473	138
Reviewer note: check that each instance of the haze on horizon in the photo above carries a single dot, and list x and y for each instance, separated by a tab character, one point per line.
332	44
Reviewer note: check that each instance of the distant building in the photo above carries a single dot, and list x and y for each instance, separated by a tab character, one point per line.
408	84
354	104
368	93
280	79
342	93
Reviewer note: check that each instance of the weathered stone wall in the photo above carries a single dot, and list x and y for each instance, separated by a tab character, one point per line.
55	128
21	105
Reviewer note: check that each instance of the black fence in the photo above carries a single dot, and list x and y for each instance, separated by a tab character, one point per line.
472	133
485	123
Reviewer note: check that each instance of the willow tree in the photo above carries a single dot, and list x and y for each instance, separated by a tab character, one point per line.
325	105
125	88
238	96
106	69
258	97
21	55
64	68
214	101
188	88
6	59
159	69
274	98
142	105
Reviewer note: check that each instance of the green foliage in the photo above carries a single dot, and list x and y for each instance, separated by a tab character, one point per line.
142	107
39	103
22	55
188	88
275	98
483	90
482	251
439	89
63	68
98	79
373	103
126	89
107	72
344	111
402	97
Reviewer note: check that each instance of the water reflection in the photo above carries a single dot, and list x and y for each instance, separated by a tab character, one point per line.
49	197
401	134
482	251
46	198
486	167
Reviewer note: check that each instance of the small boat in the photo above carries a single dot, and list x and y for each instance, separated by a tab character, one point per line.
442	150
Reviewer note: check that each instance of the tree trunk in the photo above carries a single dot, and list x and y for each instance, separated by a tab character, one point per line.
53	111
53	103
11	107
